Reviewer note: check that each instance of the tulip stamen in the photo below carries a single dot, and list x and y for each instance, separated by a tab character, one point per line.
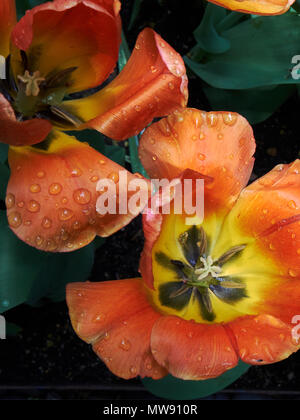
32	82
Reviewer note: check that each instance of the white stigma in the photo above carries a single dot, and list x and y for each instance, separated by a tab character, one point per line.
208	268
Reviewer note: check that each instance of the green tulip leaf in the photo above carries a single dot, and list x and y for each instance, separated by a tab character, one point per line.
4	176
176	389
261	53
20	266
256	105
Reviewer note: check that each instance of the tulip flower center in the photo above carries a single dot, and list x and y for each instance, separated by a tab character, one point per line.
33	95
197	277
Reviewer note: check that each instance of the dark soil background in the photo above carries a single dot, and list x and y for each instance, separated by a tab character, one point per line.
46	360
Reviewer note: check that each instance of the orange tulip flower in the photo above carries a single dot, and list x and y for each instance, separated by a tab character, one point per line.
56	50
214	292
256	7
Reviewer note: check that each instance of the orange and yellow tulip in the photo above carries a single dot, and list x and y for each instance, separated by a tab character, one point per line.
211	293
56	51
256	7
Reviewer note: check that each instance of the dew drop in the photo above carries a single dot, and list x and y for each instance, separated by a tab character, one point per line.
133	370
201	156
114	176
55	189
125	344
220	136
272	247
171	85
39	240
202	136
46	223
65	214
82	196
94	178
138	108
41	174
229	119
10	201
76	172
76	225
154	158
21	204
292	204
153	69
212	119
35	188
33	206
14	219
292	273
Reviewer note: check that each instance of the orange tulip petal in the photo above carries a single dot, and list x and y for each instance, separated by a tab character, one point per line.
7	21
217	144
190	350
51	195
263	339
20	133
116	318
257	7
152	84
56	36
269	210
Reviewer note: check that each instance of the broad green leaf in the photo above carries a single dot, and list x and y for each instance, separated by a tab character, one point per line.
97	141
20	265
206	35
58	271
3	152
23	5
4	176
254	104
260	55
176	389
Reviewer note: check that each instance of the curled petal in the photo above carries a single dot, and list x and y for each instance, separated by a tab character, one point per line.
268	210
52	194
20	133
56	36
260	7
190	350
217	144
263	339
116	318
7	21
152	84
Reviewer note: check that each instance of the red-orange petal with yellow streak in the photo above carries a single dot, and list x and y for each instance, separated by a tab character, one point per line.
269	211
190	350
20	133
55	36
152	84
116	318
7	21
51	195
256	7
218	144
263	339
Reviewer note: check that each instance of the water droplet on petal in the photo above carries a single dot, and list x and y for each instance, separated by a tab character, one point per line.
82	196
125	344
229	119
65	214
14	219
212	119
33	206
41	174
94	178
292	204
114	176
39	240
201	156
55	189
292	273
10	201
35	188
171	86
46	223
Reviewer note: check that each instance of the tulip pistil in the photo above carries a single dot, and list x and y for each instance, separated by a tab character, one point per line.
32	82
199	277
